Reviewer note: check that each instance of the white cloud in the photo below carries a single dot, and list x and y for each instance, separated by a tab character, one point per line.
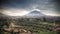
49	12
15	12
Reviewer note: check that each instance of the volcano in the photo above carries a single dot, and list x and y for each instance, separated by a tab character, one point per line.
34	14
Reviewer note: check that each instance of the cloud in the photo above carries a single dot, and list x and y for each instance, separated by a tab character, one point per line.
29	5
26	4
15	12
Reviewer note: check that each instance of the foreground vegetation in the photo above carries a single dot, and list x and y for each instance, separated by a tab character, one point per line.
35	26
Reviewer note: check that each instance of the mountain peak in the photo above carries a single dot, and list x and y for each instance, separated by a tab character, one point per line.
34	13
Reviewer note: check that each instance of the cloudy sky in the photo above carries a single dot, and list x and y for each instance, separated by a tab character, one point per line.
23	7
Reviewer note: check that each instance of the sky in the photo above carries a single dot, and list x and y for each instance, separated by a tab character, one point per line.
23	7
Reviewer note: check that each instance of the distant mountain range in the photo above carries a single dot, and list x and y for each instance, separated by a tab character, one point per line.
32	14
